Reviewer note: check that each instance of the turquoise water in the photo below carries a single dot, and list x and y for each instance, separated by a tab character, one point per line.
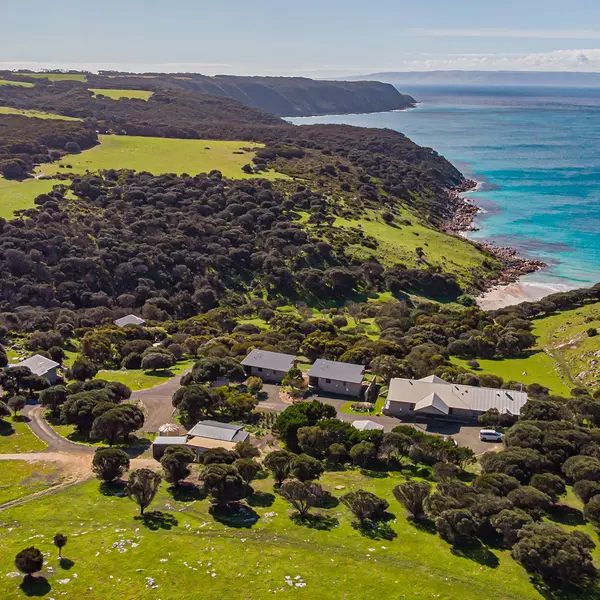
537	152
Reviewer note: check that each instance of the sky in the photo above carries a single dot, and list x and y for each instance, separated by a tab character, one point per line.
316	38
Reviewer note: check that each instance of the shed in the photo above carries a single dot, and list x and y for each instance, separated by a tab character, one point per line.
269	366
336	377
367	425
224	432
41	366
129	320
162	442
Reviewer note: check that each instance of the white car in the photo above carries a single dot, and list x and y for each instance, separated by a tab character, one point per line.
490	435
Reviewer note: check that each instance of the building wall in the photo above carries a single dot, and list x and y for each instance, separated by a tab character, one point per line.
332	386
403	411
51	376
266	374
159	449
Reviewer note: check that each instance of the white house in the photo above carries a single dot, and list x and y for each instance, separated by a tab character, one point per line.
40	365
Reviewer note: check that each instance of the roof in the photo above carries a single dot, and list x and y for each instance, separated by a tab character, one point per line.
170	440
269	360
129	320
432	403
367	425
434	379
209	444
38	365
425	394
224	432
339	371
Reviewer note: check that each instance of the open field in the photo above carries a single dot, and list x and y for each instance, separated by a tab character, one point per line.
55	76
16	437
7	110
19	478
116	556
137	379
162	155
19	83
117	94
17	195
398	244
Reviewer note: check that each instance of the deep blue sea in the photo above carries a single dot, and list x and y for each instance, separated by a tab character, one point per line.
537	152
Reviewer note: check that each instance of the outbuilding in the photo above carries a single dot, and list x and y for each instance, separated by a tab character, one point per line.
41	366
336	377
435	397
162	442
269	366
207	435
367	425
129	320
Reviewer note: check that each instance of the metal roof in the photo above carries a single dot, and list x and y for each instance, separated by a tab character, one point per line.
209	444
38	365
170	440
367	425
434	379
269	360
225	432
339	371
433	401
129	320
453	395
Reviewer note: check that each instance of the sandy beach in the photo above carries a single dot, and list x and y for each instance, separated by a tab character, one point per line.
515	293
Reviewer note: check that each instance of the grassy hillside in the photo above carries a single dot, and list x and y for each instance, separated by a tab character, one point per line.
17	195
114	555
18	83
55	76
118	94
38	114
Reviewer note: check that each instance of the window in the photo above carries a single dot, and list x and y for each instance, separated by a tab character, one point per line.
260	369
328	381
411	407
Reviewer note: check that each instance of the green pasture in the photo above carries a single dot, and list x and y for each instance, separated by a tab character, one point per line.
8	110
137	379
55	76
19	83
16	437
19	478
118	94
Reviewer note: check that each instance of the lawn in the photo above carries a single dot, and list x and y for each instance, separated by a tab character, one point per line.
16	437
398	244
116	556
8	110
19	478
118	94
162	155
347	408
136	379
18	195
19	83
55	76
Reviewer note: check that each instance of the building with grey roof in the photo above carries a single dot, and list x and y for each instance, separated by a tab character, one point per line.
225	432
162	442
367	425
432	396
269	366
129	320
336	377
40	365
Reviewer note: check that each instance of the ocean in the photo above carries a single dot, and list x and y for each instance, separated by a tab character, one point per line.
536	151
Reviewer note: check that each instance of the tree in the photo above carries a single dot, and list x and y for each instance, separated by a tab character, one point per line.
279	464
195	401
302	414
461	456
550	484
218	456
248	468
108	426
521	463
306	468
16	403
394	444
238	405
142	486
176	463
508	523
254	384
413	495
301	495
83	369
443	471
29	561
557	556
456	526
110	463
586	490
314	440
224	484
53	398
337	454
4	410
531	500
246	450
498	484
577	468
60	541
363	454
155	361
365	505
591	511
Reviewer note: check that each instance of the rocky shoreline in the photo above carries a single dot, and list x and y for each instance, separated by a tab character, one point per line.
462	215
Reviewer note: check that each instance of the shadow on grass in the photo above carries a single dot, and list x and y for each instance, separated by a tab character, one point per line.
335	467
549	591
20	419
6	428
478	553
113	488
327	500
424	525
157	519
66	563
261	499
136	447
235	515
566	515
376	529
35	586
316	521
186	492
374	473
